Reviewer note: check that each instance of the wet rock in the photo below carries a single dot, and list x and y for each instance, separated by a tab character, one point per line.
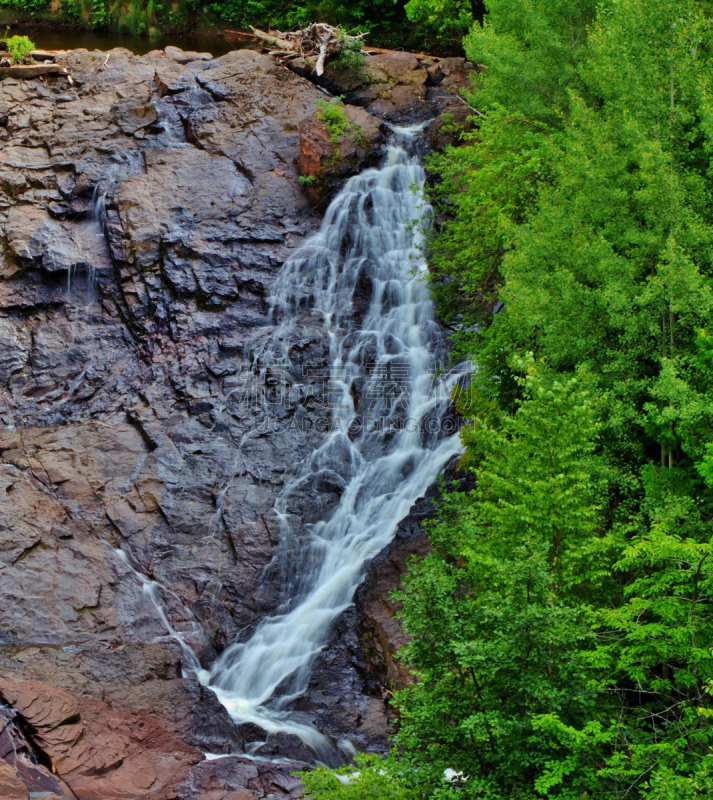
185	709
250	732
241	779
285	745
354	677
34	236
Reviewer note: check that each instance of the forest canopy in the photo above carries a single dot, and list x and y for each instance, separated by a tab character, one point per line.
562	624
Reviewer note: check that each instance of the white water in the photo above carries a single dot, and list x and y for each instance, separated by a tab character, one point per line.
370	235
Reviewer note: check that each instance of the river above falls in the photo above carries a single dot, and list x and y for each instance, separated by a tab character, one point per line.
215	44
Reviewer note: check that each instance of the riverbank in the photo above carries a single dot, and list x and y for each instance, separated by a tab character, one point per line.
170	23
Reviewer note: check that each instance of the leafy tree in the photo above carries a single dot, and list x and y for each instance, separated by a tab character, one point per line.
445	21
498	611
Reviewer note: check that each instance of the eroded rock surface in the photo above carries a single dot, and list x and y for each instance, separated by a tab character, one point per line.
145	210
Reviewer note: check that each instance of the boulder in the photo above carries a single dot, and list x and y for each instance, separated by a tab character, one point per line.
325	164
395	67
444	67
285	745
447	128
185	56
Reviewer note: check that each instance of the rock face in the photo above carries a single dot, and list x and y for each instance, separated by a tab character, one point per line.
399	88
97	752
146	206
145	210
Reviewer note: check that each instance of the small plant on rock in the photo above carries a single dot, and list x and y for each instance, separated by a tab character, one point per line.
334	117
350	58
19	47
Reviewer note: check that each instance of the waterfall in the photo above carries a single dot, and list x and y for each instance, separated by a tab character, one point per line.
89	240
386	442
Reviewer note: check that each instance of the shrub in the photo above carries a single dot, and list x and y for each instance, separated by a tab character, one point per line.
19	47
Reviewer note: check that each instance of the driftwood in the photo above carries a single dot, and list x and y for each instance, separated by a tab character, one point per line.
242	36
377	51
32	71
274	39
317	39
42	55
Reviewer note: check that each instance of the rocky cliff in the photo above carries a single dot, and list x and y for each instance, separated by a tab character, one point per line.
146	205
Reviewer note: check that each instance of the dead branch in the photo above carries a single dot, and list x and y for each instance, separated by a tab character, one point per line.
317	39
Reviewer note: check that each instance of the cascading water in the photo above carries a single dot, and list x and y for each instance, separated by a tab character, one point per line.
386	443
90	240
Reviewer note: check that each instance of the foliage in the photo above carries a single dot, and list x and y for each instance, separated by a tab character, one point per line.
350	58
442	21
136	16
562	624
385	19
28	6
334	117
93	13
19	47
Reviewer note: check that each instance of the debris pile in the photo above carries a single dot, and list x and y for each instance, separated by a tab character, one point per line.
318	39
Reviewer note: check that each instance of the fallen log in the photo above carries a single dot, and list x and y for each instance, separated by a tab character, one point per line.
243	36
42	55
273	39
32	71
379	51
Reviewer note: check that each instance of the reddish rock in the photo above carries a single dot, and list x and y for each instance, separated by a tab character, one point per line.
101	754
11	787
324	162
314	147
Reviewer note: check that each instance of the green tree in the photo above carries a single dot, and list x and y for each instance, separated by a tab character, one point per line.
498	611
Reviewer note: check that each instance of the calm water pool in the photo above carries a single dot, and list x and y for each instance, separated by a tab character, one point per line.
67	40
